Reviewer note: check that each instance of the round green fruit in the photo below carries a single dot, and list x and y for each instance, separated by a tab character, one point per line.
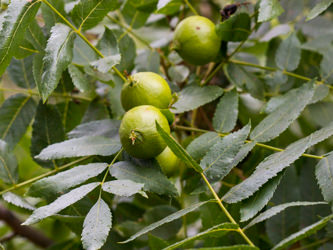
138	133
169	162
196	40
146	88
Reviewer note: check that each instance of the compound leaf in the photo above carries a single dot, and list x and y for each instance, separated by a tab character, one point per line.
274	164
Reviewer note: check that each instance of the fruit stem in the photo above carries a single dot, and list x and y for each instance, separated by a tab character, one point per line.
191	7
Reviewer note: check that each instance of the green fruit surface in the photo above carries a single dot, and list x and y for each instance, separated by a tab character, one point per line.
169	162
146	88
196	40
140	122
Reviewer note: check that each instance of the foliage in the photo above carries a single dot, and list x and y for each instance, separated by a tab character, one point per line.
252	129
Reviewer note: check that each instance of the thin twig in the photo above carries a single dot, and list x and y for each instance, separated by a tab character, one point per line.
247	141
191	7
19	185
36	93
247	64
219	202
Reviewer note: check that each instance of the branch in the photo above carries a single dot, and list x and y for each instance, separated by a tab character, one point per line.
25	231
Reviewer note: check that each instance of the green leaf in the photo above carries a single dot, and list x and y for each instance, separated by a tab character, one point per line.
156	243
269	9
114	98
168	7
36	36
167	219
281	225
288	54
201	145
122	187
258	201
321	113
24	50
16	114
147	6
49	16
133	16
17	201
147	60
215	231
240	77
127	50
305	232
279	120
8	164
88	13
217	163
59	53
235	29
79	79
82	53
178	73
107	128
146	173
47	129
226	112
178	150
274	164
194	96
62	182
96	226
321	91
105	64
324	175
108	44
61	203
17	19
279	208
83	146
234	247
20	71
318	9
38	69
